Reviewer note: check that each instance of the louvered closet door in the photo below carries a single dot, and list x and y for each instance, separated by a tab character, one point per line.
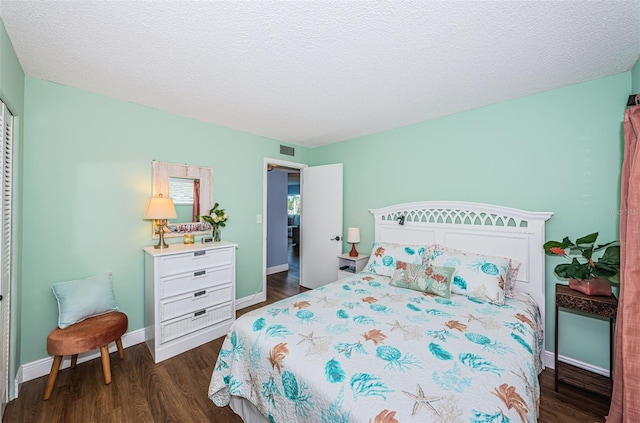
5	250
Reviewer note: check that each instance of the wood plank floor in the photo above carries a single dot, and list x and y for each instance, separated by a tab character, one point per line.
175	390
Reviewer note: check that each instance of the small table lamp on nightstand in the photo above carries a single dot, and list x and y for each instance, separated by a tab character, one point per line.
353	237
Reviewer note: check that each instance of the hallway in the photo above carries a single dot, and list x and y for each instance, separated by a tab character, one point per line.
286	284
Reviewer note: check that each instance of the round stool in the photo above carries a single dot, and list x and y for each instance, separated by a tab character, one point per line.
89	334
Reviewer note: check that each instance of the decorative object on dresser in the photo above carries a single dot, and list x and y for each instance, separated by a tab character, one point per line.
216	218
349	265
189	296
590	276
353	237
191	188
159	209
603	306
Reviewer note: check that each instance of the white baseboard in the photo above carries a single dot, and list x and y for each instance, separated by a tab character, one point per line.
42	367
251	300
549	361
277	269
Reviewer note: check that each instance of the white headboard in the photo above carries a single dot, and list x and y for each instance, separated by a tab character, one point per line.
479	228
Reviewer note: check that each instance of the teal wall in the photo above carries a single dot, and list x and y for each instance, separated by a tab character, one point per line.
635	76
558	151
12	94
87	175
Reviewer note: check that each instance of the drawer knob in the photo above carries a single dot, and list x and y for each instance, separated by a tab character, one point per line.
199	273
199	313
199	293
199	253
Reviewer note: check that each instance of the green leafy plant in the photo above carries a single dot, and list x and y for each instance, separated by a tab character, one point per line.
584	264
216	217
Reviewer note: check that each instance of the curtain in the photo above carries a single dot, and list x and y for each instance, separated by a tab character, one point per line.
625	401
196	200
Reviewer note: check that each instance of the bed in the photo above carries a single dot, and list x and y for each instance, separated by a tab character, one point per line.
369	349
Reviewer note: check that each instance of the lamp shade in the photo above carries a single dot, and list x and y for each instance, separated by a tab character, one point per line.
160	208
353	235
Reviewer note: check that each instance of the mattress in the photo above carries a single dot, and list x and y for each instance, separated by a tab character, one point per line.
360	350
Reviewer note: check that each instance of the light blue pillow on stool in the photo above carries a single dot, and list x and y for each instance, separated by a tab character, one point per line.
84	298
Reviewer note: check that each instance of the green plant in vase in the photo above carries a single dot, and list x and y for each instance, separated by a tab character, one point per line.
587	273
216	218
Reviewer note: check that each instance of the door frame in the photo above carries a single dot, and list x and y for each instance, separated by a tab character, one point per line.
266	162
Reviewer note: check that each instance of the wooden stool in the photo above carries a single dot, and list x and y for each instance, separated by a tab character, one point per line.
89	334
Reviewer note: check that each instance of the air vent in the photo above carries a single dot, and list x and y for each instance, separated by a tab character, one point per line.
288	151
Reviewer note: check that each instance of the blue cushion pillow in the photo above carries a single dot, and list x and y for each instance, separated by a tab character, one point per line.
84	298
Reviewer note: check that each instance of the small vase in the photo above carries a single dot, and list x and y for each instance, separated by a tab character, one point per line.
216	234
593	286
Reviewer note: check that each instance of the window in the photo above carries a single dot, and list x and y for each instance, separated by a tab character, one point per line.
181	191
293	204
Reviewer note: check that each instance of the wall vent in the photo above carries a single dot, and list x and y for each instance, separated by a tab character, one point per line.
288	151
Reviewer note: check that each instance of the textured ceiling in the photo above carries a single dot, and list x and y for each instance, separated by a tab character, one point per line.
317	72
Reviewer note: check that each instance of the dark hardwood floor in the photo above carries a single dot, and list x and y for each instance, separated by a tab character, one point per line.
175	390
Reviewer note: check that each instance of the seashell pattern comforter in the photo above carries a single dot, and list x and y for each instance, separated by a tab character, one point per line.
359	350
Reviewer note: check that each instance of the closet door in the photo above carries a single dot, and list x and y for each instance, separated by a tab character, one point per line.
6	119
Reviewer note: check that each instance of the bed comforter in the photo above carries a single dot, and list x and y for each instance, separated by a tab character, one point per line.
359	350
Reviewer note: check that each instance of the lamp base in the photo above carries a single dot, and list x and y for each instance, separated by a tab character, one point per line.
161	243
353	252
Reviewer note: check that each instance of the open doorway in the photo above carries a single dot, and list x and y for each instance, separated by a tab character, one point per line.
282	227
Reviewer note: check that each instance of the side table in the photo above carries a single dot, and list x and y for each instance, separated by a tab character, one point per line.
349	266
570	299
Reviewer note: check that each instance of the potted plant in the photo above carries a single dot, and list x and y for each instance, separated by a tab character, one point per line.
586	273
216	218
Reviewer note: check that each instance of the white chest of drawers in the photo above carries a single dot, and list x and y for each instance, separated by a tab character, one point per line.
190	293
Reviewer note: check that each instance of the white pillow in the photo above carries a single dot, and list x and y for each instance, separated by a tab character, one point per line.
479	276
385	255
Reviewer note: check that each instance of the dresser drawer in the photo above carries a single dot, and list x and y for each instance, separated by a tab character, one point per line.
194	301
192	322
194	281
201	259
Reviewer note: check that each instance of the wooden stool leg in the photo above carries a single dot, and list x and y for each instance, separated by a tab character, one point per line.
106	366
120	349
74	361
55	366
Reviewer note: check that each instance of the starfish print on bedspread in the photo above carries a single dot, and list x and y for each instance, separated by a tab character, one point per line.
254	384
410	332
422	401
393	298
316	344
327	302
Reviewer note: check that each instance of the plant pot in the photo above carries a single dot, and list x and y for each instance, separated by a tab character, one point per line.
593	286
216	234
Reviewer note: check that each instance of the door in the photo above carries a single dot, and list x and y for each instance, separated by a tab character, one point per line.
6	121
320	224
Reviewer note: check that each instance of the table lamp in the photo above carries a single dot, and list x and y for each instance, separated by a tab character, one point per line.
160	209
353	236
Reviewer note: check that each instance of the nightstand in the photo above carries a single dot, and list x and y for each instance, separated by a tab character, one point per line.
596	305
354	264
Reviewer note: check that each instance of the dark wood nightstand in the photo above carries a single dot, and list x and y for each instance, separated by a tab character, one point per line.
570	299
